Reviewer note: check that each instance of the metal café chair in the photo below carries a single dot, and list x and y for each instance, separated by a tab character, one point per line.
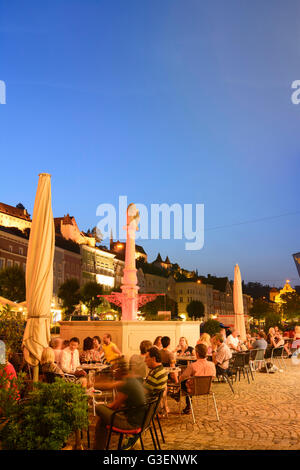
200	386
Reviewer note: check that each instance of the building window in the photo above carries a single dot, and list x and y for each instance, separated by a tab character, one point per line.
10	249
20	251
1	263
9	263
17	263
181	299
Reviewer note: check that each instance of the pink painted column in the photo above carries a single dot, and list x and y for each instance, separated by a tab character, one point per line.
129	286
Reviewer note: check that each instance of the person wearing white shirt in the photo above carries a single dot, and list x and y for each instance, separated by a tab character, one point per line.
70	363
233	341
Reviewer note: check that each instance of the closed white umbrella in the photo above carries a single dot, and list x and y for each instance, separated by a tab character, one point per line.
239	319
39	275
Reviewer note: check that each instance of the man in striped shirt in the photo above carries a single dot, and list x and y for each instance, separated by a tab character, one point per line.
157	377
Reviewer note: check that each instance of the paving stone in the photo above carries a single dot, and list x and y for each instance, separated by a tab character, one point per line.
263	415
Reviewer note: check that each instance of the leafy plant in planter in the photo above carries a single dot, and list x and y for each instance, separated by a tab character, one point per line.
211	327
47	419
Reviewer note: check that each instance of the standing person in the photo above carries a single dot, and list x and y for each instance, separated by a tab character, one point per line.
98	353
221	355
111	350
130	395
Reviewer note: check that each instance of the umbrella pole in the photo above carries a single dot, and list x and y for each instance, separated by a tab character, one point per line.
36	373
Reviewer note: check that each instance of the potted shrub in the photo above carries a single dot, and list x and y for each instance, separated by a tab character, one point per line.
47	418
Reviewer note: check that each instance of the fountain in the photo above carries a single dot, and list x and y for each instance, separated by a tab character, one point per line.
129	299
129	331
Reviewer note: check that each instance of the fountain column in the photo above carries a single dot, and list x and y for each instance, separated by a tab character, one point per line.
129	286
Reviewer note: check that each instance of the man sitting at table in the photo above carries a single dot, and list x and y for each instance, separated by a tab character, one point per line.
221	355
70	363
130	395
233	341
201	367
260	342
156	380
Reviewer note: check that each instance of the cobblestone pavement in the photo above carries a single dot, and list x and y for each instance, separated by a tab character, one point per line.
262	415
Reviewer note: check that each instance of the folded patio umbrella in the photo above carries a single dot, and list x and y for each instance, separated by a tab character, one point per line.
39	275
239	319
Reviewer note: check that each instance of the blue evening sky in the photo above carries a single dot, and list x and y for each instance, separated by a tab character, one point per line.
165	101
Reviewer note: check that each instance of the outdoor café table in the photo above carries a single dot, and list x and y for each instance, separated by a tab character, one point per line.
185	359
98	367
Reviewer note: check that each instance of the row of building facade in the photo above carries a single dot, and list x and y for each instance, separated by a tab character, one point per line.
78	255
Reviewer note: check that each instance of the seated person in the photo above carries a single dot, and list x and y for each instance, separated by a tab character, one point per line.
87	353
168	357
157	342
221	355
130	394
137	364
70	363
98	353
156	380
233	341
48	362
183	349
205	339
200	368
260	342
57	344
111	350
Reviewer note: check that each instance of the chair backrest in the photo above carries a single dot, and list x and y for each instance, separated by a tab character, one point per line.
296	344
257	354
150	410
277	352
239	360
199	385
246	358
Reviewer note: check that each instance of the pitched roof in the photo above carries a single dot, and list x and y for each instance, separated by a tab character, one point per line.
158	259
14	211
167	261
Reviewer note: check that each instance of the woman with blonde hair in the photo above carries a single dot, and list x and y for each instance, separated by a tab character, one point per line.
48	362
205	339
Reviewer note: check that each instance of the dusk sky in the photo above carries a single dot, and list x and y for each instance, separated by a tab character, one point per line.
164	101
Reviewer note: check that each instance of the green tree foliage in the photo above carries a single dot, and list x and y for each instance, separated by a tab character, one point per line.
272	319
161	303
291	305
261	308
89	293
195	309
12	284
12	326
212	327
69	293
47	419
